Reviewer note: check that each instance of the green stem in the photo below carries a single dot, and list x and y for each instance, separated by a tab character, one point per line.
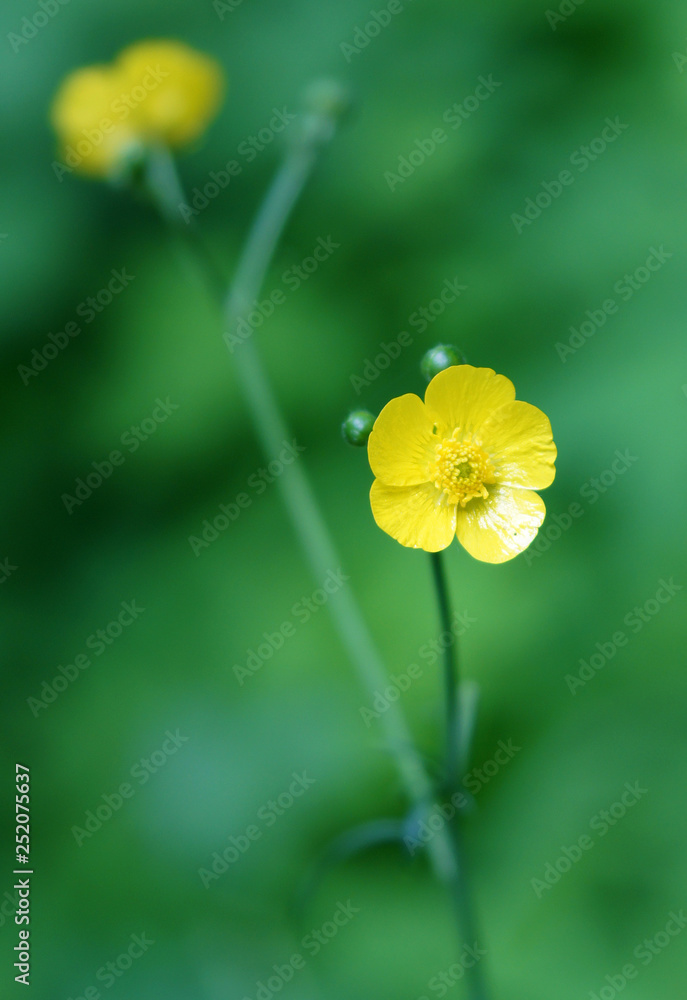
162	184
297	494
452	752
302	507
461	894
462	903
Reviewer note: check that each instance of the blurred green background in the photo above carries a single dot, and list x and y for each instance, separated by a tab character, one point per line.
535	617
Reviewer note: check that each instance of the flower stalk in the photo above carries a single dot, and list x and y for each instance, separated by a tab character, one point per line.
451	687
299	499
461	894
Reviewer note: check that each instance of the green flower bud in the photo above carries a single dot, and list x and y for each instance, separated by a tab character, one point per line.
325	103
440	357
328	98
357	426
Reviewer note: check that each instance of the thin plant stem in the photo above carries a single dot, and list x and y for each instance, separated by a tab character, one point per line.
461	895
452	752
299	499
297	494
162	184
462	902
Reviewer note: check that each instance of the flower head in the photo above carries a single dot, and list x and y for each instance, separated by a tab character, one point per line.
155	92
185	89
93	138
465	463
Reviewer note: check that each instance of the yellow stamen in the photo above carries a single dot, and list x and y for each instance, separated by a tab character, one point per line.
462	469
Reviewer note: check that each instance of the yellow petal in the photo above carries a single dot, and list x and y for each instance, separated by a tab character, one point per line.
92	137
416	516
520	444
498	528
402	445
175	91
465	397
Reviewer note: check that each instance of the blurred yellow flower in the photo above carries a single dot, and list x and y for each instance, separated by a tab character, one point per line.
183	89
93	135
462	463
155	92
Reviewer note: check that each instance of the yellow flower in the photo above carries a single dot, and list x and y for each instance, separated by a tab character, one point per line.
462	463
156	92
183	89
93	138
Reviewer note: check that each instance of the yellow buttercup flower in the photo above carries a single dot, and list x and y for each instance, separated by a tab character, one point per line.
184	88
465	463
154	93
94	133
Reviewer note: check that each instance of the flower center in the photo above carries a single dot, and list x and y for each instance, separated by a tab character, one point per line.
462	469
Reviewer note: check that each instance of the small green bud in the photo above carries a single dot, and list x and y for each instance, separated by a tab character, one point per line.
325	103
438	358
357	426
328	98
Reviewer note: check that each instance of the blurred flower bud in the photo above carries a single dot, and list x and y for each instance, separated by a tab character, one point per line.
357	426
438	358
328	98
325	102
154	93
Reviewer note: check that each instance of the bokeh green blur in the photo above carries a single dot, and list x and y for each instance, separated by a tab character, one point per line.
614	536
